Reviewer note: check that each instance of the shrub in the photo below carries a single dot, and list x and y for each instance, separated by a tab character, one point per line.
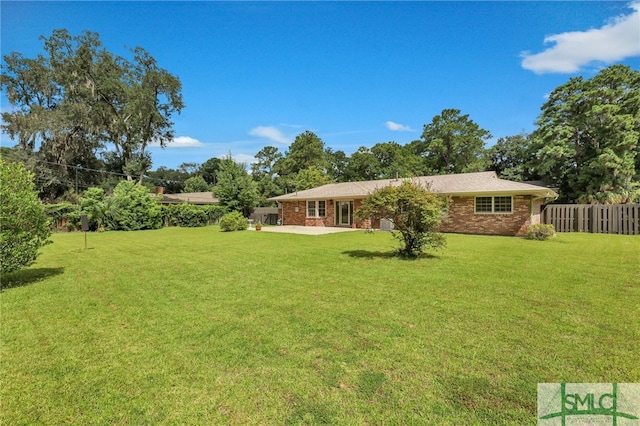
25	225
63	216
540	231
415	212
234	221
136	208
187	215
92	204
190	215
216	212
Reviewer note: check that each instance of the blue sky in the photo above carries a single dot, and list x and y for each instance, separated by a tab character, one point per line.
355	73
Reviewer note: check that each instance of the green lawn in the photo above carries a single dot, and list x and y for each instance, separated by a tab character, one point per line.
196	326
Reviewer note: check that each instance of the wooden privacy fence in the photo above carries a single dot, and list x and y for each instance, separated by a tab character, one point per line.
596	218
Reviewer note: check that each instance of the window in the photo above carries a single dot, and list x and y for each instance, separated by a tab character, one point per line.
311	209
494	204
316	208
502	204
484	205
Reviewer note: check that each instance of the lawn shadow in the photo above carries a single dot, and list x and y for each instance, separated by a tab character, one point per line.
369	254
28	276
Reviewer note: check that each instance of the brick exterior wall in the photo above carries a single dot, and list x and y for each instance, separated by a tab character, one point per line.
293	217
461	219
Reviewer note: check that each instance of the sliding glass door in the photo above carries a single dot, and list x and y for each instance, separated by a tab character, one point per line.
344	210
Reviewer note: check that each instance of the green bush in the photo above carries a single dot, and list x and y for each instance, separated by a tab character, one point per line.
216	212
136	208
415	211
233	221
190	215
540	231
102	211
186	215
25	225
63	216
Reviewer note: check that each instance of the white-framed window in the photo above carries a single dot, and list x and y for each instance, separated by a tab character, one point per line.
316	208
502	204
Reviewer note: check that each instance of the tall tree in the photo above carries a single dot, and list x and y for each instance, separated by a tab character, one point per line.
209	170
77	96
453	143
235	188
588	135
337	164
305	160
363	165
513	158
396	160
264	174
306	151
310	178
189	168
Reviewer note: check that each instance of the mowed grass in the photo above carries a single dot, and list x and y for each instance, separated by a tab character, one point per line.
196	326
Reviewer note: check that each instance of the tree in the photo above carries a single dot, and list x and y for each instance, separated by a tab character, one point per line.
415	212
310	178
77	96
235	189
337	164
396	160
588	136
513	158
306	151
209	170
452	143
24	223
264	173
196	184
189	168
172	180
362	165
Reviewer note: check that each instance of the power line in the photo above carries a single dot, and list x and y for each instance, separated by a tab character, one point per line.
78	167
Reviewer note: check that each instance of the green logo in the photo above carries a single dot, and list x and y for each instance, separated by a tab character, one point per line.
563	404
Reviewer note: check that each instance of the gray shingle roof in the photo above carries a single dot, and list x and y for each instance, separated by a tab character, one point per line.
189	197
457	184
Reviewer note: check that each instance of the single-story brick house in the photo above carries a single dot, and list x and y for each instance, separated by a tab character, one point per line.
480	203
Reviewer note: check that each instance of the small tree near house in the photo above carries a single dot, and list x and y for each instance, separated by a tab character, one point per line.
415	212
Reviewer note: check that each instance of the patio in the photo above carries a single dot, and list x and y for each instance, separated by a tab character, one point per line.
306	230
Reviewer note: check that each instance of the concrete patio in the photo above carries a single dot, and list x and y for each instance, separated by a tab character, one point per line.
306	230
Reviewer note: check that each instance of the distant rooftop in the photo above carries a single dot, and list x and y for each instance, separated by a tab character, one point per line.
189	197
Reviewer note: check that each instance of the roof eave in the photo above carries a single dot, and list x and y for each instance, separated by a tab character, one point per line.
539	193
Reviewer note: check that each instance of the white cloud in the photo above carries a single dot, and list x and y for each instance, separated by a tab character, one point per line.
271	133
397	127
572	50
244	158
180	142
